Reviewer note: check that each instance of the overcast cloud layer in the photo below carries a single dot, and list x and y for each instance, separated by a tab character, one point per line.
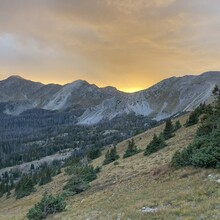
125	43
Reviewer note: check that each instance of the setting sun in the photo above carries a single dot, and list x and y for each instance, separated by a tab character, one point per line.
131	90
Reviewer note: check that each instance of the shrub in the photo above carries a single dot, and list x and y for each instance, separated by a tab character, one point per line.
116	163
80	178
48	205
202	152
76	185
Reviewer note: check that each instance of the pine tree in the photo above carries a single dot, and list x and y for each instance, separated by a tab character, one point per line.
2	188
94	153
131	150
168	130
193	119
177	125
194	116
111	156
24	187
156	144
45	175
32	166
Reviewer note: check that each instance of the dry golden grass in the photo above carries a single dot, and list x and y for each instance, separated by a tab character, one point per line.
12	208
122	190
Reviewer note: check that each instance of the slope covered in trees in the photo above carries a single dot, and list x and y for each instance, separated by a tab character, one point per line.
38	133
204	151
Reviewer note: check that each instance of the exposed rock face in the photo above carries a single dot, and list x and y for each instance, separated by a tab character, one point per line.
167	98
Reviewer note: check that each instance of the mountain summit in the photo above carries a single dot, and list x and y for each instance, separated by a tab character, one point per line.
167	98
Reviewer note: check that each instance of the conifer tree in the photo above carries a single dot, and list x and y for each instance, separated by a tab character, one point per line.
24	187
156	144
177	125
94	153
111	156
2	188
168	130
193	119
131	150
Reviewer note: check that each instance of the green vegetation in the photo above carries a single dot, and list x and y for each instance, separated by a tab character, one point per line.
45	175
168	130
111	156
48	205
131	150
80	178
194	116
24	187
156	144
177	126
4	188
25	184
94	153
204	151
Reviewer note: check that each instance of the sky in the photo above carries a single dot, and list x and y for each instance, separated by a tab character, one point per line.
129	44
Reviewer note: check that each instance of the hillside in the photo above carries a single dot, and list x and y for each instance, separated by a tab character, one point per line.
121	191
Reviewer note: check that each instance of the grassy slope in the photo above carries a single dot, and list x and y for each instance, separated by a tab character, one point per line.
121	191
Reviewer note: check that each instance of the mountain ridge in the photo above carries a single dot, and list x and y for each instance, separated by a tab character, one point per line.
169	97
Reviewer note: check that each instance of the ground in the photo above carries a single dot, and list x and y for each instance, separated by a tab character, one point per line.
135	185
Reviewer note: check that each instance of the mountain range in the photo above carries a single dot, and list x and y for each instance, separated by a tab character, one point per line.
167	98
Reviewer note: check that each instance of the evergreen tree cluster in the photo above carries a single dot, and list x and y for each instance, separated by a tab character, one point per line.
159	142
156	144
194	116
7	181
204	151
45	174
111	156
38	133
24	185
81	174
94	152
131	150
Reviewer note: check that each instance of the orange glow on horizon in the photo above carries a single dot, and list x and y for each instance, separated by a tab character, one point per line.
132	89
131	45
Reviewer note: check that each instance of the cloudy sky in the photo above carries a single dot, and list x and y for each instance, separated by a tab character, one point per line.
129	44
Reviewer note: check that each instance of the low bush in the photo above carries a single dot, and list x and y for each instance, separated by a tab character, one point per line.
48	205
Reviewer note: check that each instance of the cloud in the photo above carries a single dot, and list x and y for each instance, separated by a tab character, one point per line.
109	41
